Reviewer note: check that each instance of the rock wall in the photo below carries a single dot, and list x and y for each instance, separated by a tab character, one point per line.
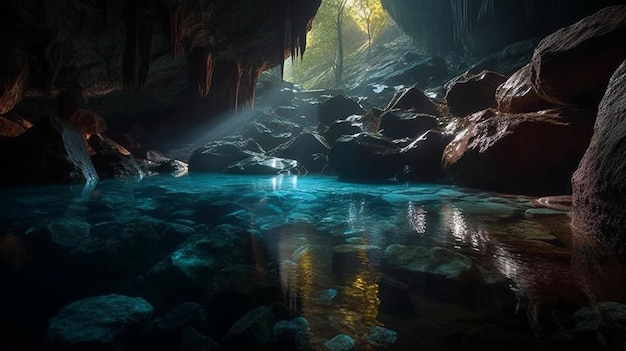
139	58
599	184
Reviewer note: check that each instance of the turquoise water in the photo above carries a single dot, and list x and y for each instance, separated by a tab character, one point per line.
330	245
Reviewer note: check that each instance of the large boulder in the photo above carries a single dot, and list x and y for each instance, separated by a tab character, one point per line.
109	322
305	149
471	93
517	94
413	99
572	66
364	157
421	158
12	125
398	124
599	196
216	155
532	153
338	107
52	151
112	160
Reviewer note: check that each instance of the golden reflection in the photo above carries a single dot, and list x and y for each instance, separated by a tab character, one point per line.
363	295
417	218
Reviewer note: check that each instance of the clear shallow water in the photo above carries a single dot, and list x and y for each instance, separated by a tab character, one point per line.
530	265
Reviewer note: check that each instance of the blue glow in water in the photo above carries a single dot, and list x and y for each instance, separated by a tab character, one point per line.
330	236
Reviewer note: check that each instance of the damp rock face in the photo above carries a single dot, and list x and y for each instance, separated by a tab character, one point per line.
108	322
531	153
573	65
599	197
51	151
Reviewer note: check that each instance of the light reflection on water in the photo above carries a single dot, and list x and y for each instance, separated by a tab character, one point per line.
525	254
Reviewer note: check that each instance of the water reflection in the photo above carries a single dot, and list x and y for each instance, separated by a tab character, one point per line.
416	217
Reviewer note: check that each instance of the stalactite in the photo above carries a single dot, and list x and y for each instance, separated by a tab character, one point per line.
202	65
247	86
177	30
136	62
280	22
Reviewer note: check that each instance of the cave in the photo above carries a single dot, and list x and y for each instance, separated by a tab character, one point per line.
312	175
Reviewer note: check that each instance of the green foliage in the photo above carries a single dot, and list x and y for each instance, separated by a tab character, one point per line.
325	48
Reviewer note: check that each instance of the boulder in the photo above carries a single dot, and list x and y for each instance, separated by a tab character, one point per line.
111	160
399	124
304	149
421	158
341	127
432	270
413	99
573	65
337	107
109	322
364	157
262	164
51	151
599	196
270	132
216	155
88	122
471	93
517	94
533	153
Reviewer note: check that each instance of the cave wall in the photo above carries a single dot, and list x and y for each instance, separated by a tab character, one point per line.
136	59
481	27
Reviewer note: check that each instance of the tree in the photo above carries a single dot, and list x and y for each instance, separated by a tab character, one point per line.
338	9
371	18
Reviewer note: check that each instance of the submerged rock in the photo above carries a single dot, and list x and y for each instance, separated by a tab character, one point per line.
341	342
109	322
253	331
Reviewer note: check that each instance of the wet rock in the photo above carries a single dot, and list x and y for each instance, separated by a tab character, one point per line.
51	151
238	289
289	336
364	157
13	78
399	124
341	342
111	160
217	155
520	153
341	127
604	323
270	132
261	164
434	271
303	148
338	107
424	73
188	273
573	65
472	93
104	322
253	331
517	94
12	125
156	163
413	99
421	158
599	198
171	327
382	337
